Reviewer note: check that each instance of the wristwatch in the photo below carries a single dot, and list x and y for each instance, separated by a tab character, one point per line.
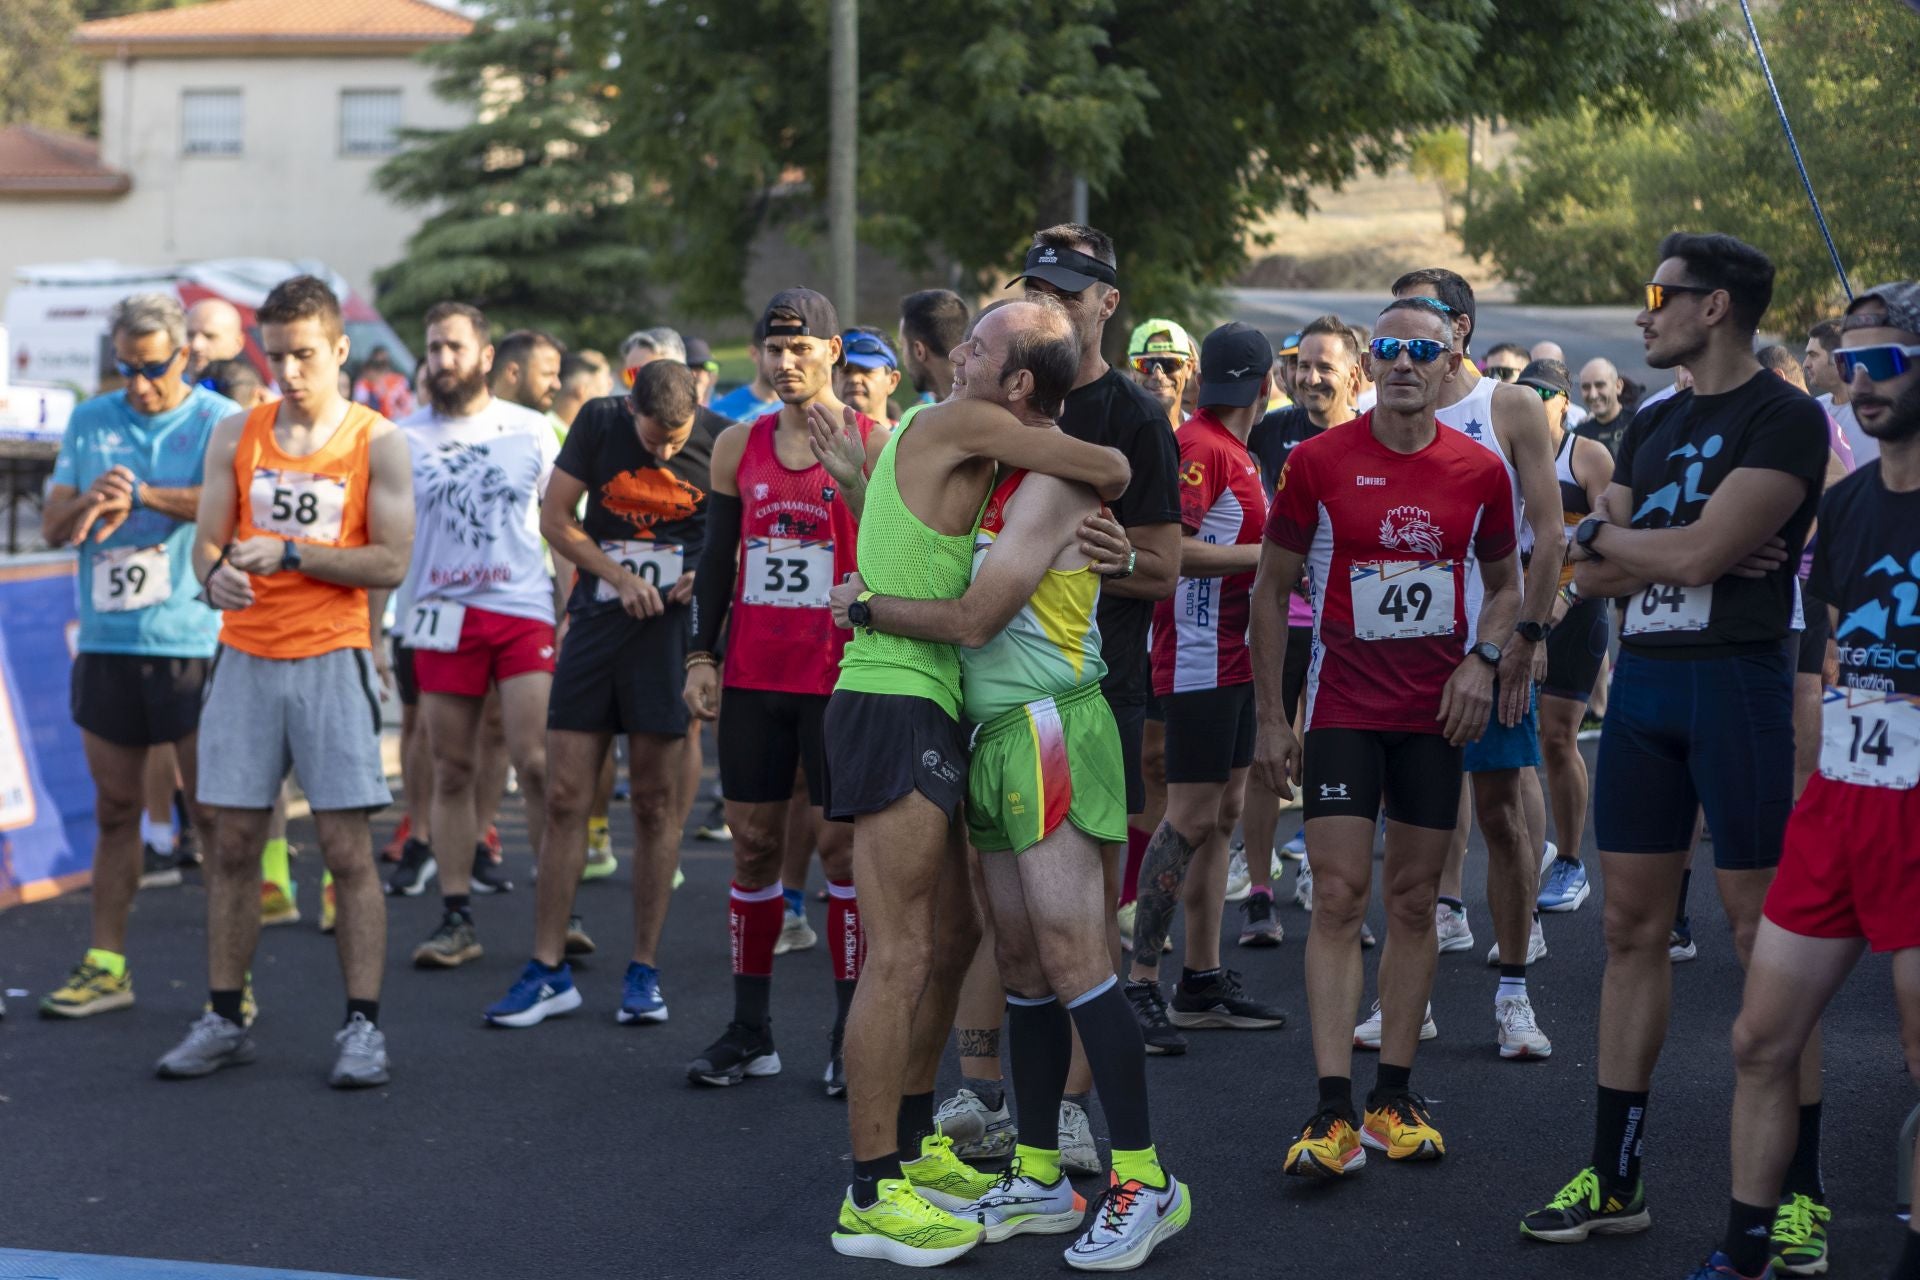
1133	558
1588	530
1533	632
1487	652
859	614
289	555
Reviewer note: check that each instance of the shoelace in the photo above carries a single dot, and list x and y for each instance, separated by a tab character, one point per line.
1518	1016
1116	1206
1583	1190
1794	1223
1149	1002
1409	1109
1322	1125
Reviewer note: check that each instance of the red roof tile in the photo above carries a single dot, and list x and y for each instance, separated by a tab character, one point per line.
36	161
276	20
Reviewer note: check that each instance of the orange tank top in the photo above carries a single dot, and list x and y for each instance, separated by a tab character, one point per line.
319	499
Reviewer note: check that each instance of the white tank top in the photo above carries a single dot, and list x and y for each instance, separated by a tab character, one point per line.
1472	417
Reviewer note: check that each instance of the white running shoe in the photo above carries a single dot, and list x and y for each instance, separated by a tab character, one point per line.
1367	1034
1520	1036
1019	1205
1536	947
795	934
1129	1220
1680	946
1547	856
977	1133
1078	1155
1452	929
1303	886
1239	879
1296	848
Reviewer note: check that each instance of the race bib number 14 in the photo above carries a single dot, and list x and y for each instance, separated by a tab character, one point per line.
1402	599
1870	739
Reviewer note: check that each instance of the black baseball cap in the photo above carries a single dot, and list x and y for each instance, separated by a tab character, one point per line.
1548	375
816	316
1234	359
700	355
1067	269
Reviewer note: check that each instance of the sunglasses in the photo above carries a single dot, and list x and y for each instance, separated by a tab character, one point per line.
1165	366
1502	372
1436	304
151	372
1880	364
1657	293
1546	393
866	344
1420	350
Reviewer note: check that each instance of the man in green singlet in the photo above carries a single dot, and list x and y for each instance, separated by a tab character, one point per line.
897	767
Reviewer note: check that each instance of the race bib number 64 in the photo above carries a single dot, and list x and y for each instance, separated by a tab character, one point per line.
1658	608
1402	599
1870	739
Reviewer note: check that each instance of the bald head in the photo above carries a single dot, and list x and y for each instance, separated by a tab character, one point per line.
213	333
1600	390
1547	351
1022	354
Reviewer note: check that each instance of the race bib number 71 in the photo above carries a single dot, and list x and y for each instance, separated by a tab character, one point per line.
1402	599
1870	739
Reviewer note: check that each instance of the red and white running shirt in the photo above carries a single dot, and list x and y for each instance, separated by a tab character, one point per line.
1200	633
1387	537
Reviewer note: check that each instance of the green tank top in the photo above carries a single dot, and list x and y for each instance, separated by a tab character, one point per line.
900	556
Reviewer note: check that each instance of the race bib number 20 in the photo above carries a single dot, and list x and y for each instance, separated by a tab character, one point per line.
298	504
1402	599
659	564
1870	739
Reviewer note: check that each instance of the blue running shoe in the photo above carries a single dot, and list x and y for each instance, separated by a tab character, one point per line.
1720	1267
539	994
1296	848
1565	886
643	1001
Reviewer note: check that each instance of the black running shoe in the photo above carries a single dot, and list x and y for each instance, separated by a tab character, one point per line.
416	868
157	870
186	849
1223	1003
1584	1207
835	1077
1151	1008
740	1052
489	876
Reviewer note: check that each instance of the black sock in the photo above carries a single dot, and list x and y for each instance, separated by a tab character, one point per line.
1336	1094
1389	1081
1749	1239
1908	1267
867	1175
992	1093
842	1001
368	1009
1619	1131
1040	1046
914	1122
750	995
1803	1175
1454	903
1193	980
226	1004
456	904
1118	1057
1513	971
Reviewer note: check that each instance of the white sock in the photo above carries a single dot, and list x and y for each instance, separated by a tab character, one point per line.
1511	989
160	835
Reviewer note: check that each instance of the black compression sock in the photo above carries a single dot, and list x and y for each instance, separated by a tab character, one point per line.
1749	1237
368	1009
750	995
1390	1082
1118	1059
226	1004
1619	1131
915	1122
867	1175
842	1001
1040	1041
1803	1175
1336	1094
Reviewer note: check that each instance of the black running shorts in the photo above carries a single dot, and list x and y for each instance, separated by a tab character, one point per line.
136	701
1350	772
764	734
882	747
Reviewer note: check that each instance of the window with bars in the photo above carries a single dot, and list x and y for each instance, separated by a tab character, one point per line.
211	122
369	122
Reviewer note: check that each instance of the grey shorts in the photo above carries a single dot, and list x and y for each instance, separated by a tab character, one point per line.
319	716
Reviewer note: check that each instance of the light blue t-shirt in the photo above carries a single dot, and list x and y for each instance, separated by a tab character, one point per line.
742	405
123	607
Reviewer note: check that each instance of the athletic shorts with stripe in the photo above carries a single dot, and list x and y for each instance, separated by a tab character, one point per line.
1051	761
319	716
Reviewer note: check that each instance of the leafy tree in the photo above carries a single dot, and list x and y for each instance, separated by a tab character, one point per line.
532	201
1439	156
44	80
1577	216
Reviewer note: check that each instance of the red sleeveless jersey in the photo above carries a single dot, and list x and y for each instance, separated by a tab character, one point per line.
797	538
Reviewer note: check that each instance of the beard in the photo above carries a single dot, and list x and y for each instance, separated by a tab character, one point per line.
1902	421
453	389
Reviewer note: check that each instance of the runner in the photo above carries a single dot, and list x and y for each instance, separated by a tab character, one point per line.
932	323
1576	645
1504	361
124	493
1382	513
306	503
753	400
214	334
584	376
1161	356
481	607
896	767
526	370
1203	677
1507	802
1848	873
869	373
1834	394
1701	532
782	657
1030	667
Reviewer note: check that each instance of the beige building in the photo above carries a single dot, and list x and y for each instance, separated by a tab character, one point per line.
233	128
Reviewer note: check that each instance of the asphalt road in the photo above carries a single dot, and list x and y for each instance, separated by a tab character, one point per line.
577	1149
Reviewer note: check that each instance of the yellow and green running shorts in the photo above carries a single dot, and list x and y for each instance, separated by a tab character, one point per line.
1049	760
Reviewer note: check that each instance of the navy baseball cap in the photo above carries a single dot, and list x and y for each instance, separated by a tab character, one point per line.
1234	360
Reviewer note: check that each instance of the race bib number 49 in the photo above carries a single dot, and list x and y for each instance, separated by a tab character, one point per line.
787	573
129	578
1402	599
1870	739
659	564
298	504
1657	608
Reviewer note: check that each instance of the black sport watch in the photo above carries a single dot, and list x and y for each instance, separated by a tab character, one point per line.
1588	530
289	556
1487	652
1533	632
859	613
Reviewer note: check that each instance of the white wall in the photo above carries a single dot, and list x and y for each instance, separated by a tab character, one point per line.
289	194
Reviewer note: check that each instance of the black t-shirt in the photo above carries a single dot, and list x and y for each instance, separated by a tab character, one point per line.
1112	410
1610	434
708	425
1273	438
1866	564
634	498
1673	457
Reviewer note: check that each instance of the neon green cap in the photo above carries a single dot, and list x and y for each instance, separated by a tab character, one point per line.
1177	342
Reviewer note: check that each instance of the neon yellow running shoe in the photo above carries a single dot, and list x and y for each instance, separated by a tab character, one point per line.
601	862
329	906
88	990
902	1227
277	904
679	876
943	1178
1800	1236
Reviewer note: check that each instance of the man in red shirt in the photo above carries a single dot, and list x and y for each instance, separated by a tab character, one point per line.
1383	512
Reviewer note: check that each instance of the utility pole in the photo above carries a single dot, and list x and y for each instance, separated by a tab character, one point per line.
843	148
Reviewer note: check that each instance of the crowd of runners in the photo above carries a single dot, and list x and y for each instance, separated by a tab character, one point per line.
1030	667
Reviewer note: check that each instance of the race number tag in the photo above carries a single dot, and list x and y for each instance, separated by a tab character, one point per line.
1402	599
129	578
1871	739
1656	609
787	573
658	563
434	625
298	504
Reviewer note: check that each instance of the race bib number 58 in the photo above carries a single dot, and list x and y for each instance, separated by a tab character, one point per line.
1402	599
298	504
1870	739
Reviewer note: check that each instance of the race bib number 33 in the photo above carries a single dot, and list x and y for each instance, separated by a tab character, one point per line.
1870	739
787	573
298	504
1402	599
659	564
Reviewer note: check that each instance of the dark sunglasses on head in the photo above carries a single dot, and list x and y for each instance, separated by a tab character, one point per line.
1502	372
1546	393
1166	366
151	372
1419	350
1657	293
1880	364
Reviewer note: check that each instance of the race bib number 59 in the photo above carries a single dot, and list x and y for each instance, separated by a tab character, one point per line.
1402	599
787	573
298	504
130	578
1870	739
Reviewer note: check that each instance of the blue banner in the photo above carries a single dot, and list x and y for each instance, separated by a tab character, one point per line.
46	793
